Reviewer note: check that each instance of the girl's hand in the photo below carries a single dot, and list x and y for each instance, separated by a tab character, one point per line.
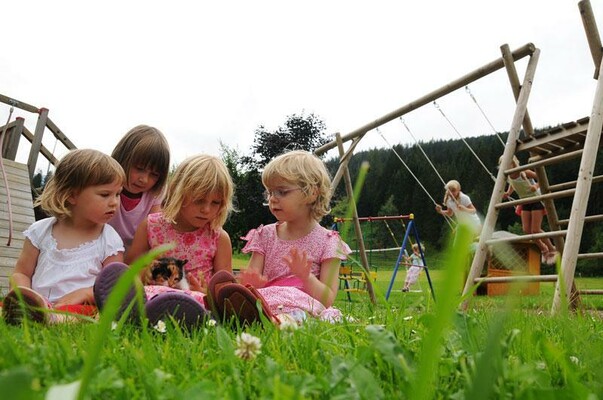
298	263
197	283
251	277
80	296
438	209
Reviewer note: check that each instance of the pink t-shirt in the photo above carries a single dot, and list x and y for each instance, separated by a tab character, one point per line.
198	247
321	244
125	222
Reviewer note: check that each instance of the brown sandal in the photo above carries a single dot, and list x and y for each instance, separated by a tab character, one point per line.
216	283
241	302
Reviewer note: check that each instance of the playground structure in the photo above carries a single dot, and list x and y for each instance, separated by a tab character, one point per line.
579	139
16	184
410	232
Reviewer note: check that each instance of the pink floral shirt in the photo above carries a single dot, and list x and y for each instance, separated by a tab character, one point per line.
321	244
198	247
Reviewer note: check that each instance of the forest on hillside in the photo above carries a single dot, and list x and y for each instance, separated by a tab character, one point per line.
391	189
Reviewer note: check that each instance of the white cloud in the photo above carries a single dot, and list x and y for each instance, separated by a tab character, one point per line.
205	71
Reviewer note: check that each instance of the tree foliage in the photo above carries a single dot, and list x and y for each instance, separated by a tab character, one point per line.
303	132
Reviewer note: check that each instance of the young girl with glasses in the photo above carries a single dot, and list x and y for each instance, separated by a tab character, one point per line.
294	265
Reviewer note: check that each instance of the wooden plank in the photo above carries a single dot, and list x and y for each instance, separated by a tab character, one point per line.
22	217
517	278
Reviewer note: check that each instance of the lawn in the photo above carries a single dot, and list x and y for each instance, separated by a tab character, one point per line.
408	347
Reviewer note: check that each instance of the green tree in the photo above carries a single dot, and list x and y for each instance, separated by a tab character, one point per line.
305	132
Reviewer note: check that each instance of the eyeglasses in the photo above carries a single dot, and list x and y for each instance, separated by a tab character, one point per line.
278	193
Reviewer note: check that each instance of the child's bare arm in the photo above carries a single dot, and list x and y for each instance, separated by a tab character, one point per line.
119	257
223	257
79	296
26	265
140	243
323	289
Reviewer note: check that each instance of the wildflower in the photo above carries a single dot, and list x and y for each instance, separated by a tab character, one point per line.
541	365
248	346
211	322
288	323
160	327
407	318
351	319
575	360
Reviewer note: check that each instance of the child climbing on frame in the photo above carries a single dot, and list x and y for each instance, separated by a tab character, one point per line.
524	183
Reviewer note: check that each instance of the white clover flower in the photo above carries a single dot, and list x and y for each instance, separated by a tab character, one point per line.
160	327
211	322
541	365
248	346
288	323
575	360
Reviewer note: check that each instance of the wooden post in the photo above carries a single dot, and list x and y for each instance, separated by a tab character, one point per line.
10	143
580	202
362	250
592	34
482	251
36	144
543	180
487	69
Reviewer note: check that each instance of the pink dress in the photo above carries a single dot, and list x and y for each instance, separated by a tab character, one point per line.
284	292
198	247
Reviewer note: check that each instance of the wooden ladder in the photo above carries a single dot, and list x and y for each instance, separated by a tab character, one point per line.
580	139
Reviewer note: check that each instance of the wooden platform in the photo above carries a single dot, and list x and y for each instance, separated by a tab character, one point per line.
22	217
563	139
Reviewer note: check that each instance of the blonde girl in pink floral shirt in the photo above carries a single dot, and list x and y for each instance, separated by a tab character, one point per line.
197	203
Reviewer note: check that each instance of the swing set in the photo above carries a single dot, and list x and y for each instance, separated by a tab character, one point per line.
410	232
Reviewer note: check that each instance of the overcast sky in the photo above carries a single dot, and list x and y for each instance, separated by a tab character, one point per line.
202	72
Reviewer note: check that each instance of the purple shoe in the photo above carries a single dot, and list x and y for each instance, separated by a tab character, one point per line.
184	309
105	281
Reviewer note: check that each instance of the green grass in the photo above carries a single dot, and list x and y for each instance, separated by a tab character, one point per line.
408	347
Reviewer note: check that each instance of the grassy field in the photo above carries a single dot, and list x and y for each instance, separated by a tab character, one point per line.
407	347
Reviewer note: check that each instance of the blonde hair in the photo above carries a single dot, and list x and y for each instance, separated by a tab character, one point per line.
76	171
306	171
515	161
145	146
195	178
452	184
416	247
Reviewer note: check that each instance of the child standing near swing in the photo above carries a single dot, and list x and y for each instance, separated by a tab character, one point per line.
196	206
144	154
416	264
62	254
525	185
294	266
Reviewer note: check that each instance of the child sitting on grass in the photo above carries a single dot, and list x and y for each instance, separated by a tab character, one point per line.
62	254
294	266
